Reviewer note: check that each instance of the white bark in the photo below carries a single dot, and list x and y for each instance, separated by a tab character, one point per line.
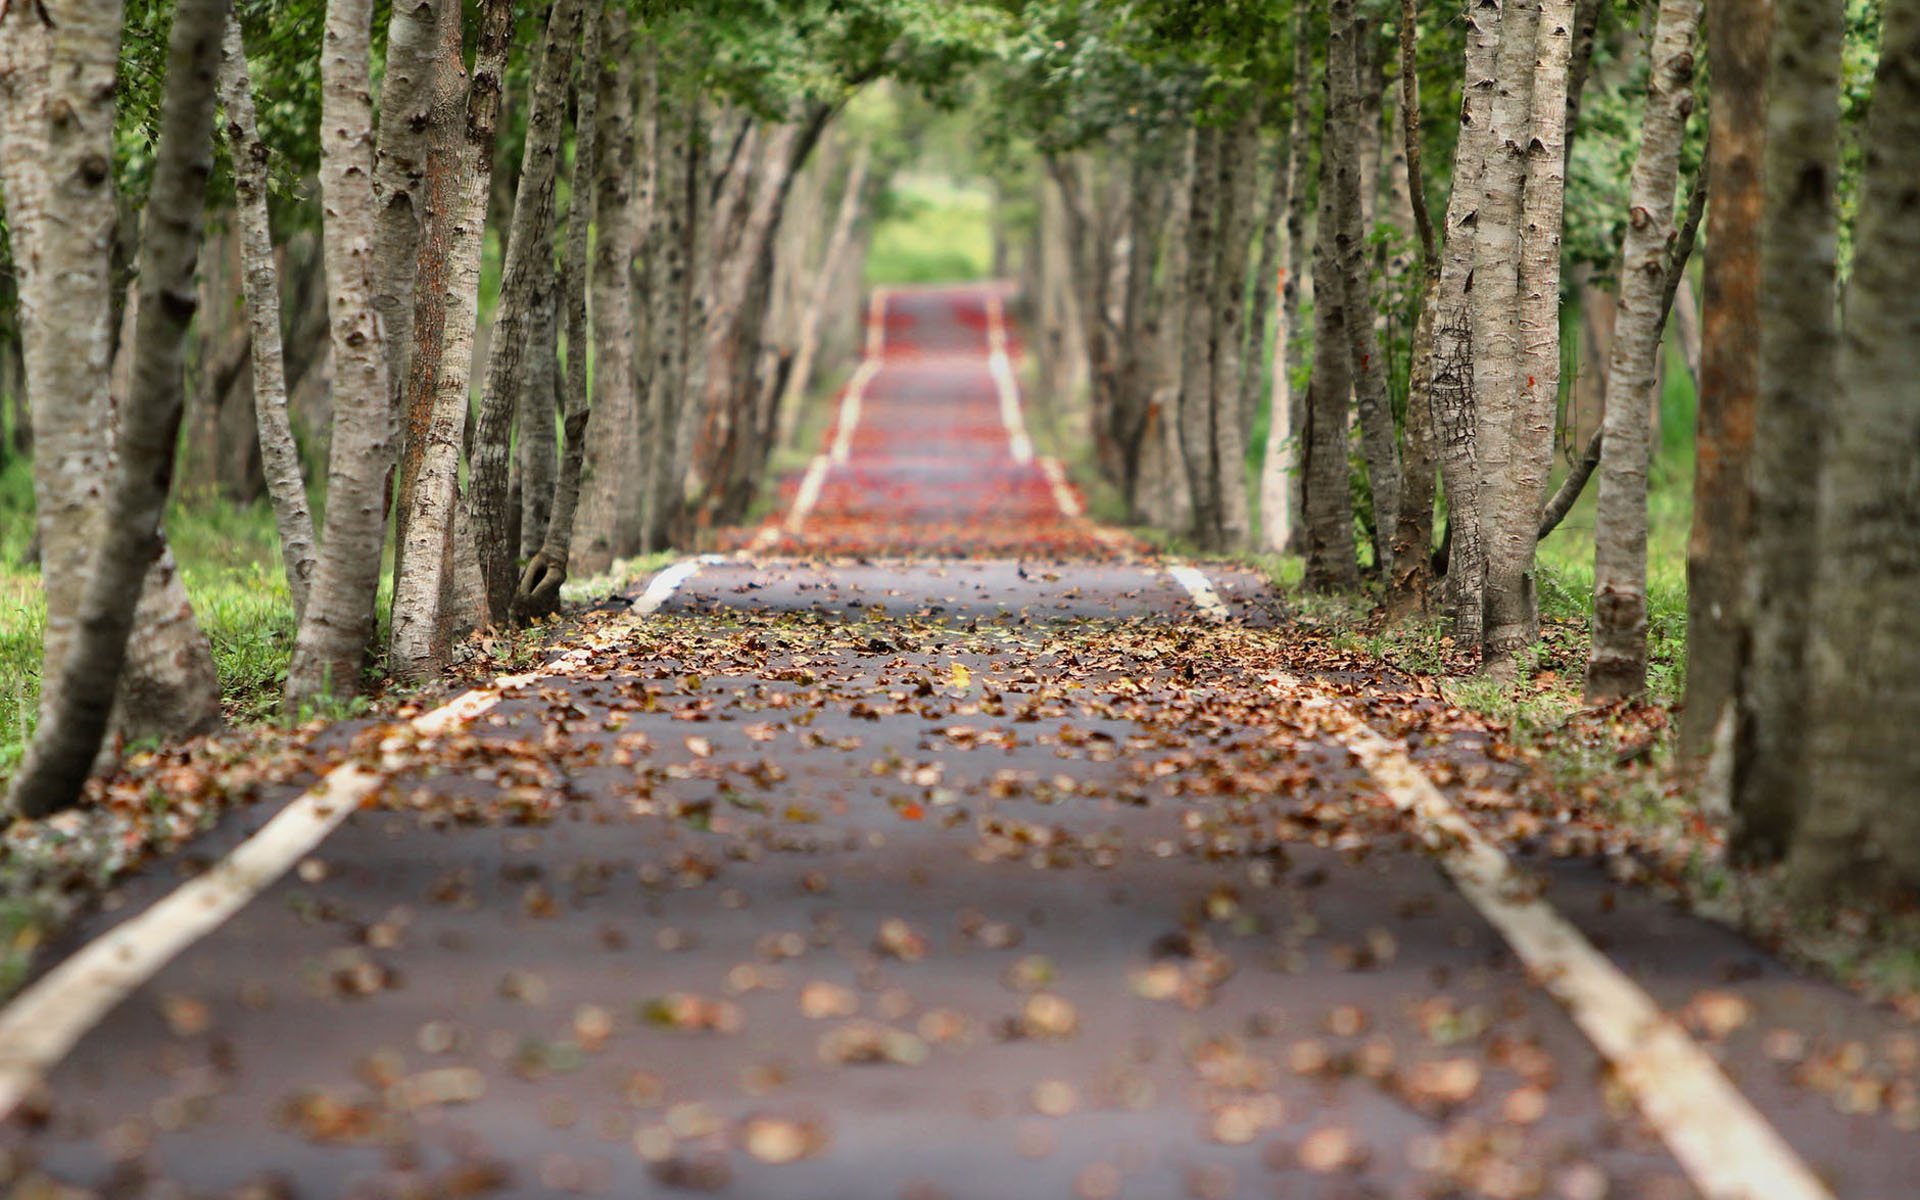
280	455
1617	666
332	643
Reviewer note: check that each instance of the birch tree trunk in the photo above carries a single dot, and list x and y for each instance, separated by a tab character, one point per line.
529	265
1737	34
1513	615
1617	664
1365	364
1331	565
607	528
1196	343
1509	621
1282	484
1859	833
331	646
1799	346
70	732
676	143
538	593
1240	157
406	132
1456	418
1411	583
280	454
1143	318
440	370
1276	465
64	56
1267	275
536	448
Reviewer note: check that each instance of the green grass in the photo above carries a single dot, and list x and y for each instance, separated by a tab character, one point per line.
230	565
932	230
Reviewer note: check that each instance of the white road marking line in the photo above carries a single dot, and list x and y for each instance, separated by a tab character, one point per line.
661	587
850	401
1726	1147
1062	491
46	1021
1000	366
809	494
1204	597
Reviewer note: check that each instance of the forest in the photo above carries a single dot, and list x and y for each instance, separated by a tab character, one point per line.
1554	344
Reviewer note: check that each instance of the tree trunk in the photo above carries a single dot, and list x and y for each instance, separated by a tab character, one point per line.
1859	833
1798	356
1617	666
676	147
1143	319
333	637
1331	565
1366	367
1276	456
1267	277
1568	494
1455	414
607	526
529	266
440	371
1411	583
1239	187
66	303
71	731
1737	34
536	448
1510	621
406	133
538	593
280	454
1196	343
853	195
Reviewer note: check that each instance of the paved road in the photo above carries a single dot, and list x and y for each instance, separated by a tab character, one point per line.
941	848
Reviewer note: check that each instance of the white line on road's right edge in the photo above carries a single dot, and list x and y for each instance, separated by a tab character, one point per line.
46	1021
1726	1147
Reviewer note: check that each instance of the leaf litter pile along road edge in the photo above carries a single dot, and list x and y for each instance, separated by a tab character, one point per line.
1726	1147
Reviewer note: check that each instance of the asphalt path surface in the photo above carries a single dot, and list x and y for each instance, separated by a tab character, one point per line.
941	846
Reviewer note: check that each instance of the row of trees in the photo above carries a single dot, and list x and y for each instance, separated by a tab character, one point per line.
633	164
1190	156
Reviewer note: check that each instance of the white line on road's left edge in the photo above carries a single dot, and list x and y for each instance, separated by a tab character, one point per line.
1726	1147
46	1021
1000	366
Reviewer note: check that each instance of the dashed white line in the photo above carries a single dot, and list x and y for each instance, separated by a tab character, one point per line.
46	1021
1726	1147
